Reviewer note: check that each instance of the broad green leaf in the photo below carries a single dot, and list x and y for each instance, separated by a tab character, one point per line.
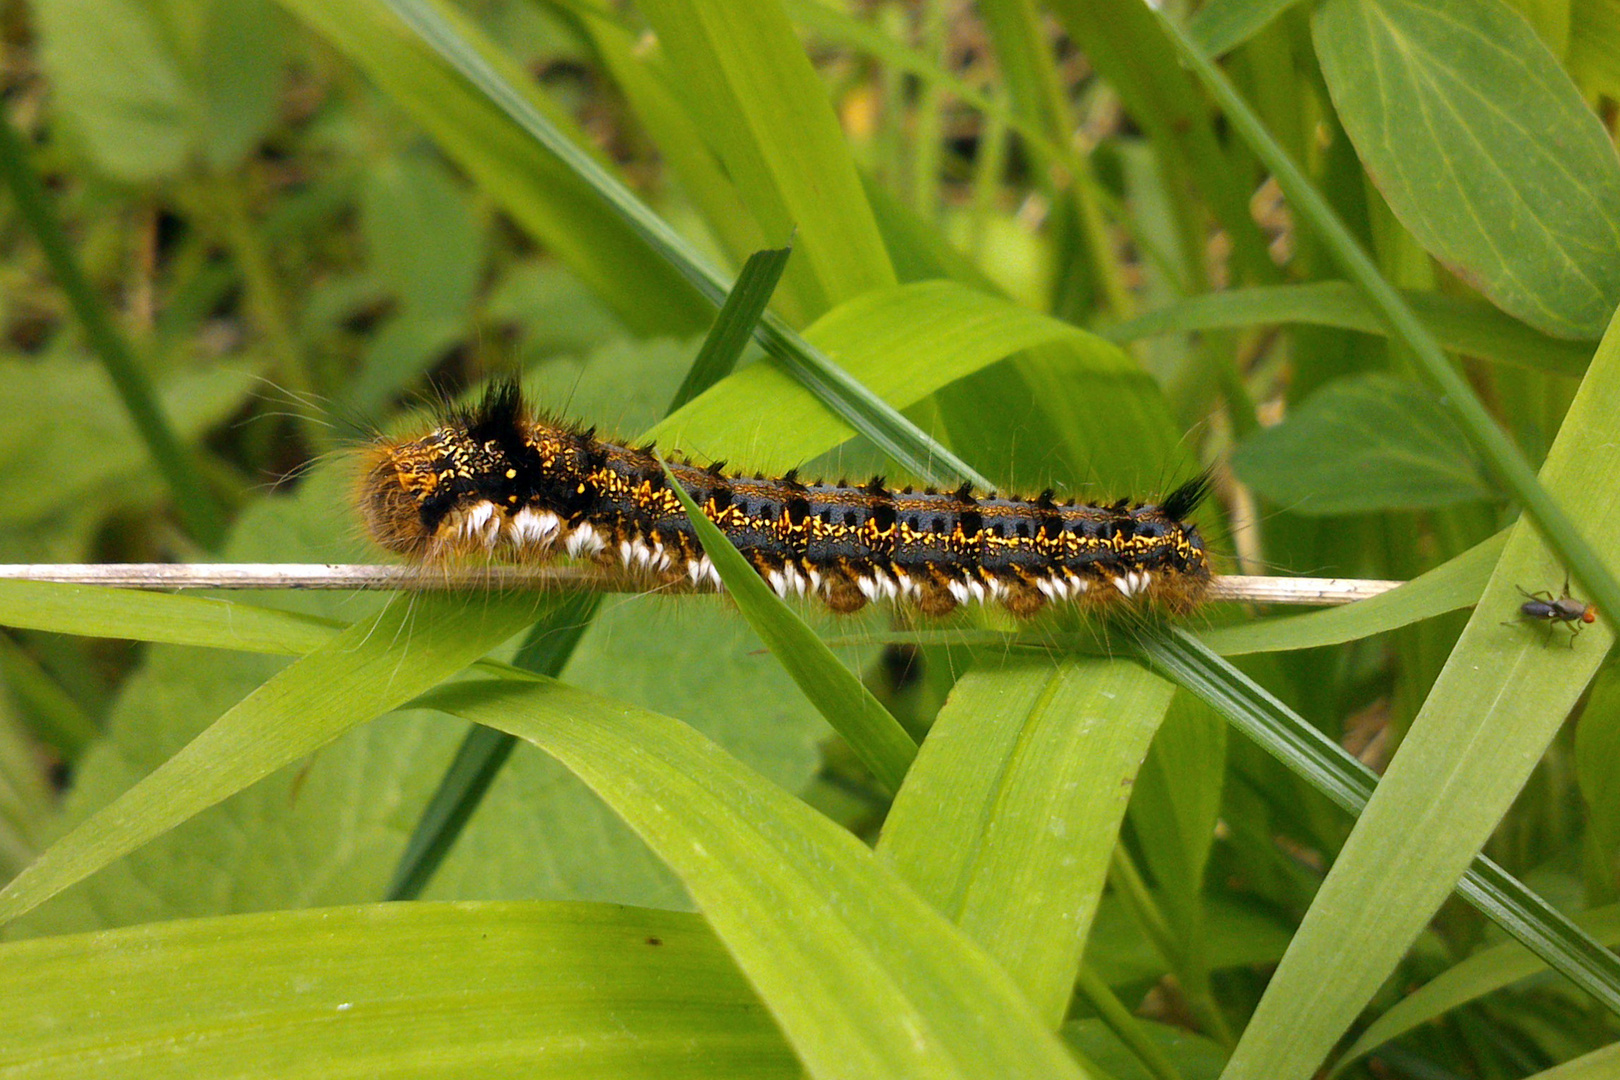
876	737
546	648
421	235
542	195
402	350
1597	768
1008	820
144	83
1454	584
1508	462
368	669
67	423
1484	150
1089	432
552	308
236	59
539	832
1360	444
1222	25
748	82
1500	699
389	990
1486	971
864	977
119	83
903	343
1464	326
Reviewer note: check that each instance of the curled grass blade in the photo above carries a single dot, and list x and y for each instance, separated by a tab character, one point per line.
94	611
370	668
864	977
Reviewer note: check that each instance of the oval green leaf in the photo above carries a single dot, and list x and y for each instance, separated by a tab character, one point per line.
1484	149
1361	444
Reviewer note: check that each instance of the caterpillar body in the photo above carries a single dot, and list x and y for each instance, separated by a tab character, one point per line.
500	482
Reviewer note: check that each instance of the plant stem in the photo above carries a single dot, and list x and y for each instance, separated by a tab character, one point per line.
200	514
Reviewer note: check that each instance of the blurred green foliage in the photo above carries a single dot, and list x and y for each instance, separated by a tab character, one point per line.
1028	228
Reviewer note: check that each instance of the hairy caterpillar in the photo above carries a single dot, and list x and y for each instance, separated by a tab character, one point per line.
498	482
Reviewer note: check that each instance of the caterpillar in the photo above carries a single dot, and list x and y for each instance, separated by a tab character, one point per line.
499	482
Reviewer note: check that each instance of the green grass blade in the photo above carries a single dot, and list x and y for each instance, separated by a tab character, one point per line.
1008	820
734	327
864	977
1222	25
1465	326
866	412
876	737
1450	586
749	83
1498	702
390	990
477	762
1313	211
367	670
545	651
94	611
1598	1065
552	639
1486	971
1331	770
554	200
904	343
199	511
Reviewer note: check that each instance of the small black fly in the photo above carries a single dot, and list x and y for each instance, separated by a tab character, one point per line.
1543	607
